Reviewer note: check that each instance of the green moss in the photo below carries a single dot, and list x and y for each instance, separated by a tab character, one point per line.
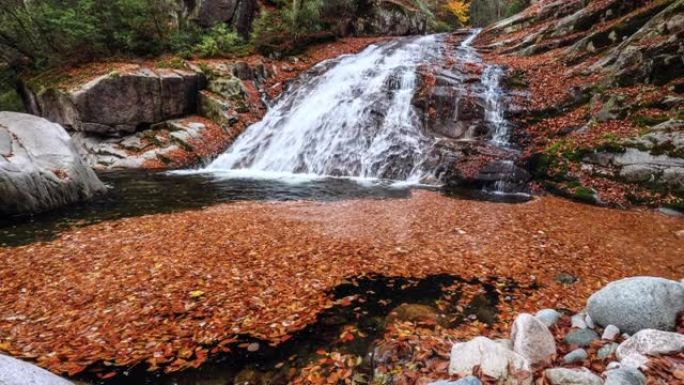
648	121
584	194
172	63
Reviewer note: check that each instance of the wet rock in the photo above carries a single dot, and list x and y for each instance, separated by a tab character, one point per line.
217	109
493	360
43	170
563	376
580	337
611	332
649	342
548	316
607	350
16	372
575	356
624	377
637	303
532	339
409	312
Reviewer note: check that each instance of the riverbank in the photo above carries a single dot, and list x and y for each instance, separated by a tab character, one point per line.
172	289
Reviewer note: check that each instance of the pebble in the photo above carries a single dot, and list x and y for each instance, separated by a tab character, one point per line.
610	333
577	355
606	350
578	321
581	337
589	322
613	365
548	316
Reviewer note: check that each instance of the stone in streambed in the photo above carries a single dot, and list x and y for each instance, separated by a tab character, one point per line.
17	372
606	350
577	355
624	377
581	337
637	303
532	339
493	360
611	332
548	316
563	376
634	351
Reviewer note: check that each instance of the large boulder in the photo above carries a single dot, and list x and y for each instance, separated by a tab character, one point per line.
636	349
493	359
16	372
532	339
637	303
40	168
120	102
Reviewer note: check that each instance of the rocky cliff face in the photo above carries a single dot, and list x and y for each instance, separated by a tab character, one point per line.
601	87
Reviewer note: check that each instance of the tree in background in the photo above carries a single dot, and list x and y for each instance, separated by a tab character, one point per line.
460	9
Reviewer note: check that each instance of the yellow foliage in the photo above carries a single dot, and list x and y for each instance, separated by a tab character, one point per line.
460	9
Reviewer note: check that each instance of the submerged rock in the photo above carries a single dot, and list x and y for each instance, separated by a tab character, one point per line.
532	339
637	303
409	312
493	360
40	168
17	372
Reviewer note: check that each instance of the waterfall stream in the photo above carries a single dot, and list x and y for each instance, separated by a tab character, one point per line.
354	117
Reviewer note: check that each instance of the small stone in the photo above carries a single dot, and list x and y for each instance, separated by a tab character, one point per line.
577	355
532	339
578	321
563	376
625	377
580	337
253	347
548	316
467	380
566	278
680	234
613	365
606	350
610	333
589	322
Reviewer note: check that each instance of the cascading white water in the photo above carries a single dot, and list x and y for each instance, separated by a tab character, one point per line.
356	119
494	109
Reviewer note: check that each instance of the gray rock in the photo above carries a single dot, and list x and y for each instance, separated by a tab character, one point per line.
532	339
121	101
650	342
606	350
613	365
625	377
467	380
580	337
493	360
548	316
577	355
610	333
589	322
637	303
578	321
44	170
16	372
563	376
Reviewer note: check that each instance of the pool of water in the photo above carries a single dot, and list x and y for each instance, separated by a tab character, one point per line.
135	193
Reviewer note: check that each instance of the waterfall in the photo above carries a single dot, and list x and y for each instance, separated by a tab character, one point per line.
356	119
494	109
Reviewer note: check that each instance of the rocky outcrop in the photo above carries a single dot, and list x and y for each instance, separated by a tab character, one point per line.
16	372
40	168
120	102
237	14
638	303
398	18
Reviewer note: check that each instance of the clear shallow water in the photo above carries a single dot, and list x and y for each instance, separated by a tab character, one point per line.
141	193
